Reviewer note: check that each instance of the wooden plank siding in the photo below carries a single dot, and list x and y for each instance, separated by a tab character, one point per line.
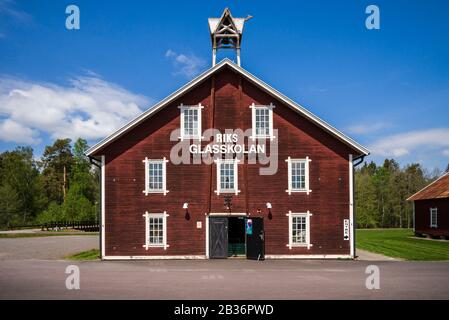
226	97
422	217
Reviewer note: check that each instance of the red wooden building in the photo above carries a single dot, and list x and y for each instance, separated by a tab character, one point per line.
227	166
431	208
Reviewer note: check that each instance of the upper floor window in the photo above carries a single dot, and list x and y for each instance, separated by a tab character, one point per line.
262	121
298	175
434	217
191	121
155	176
227	176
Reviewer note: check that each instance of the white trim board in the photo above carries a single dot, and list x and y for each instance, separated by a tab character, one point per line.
308	256
153	257
226	62
103	205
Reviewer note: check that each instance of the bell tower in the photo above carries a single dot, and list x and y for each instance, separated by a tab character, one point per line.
226	33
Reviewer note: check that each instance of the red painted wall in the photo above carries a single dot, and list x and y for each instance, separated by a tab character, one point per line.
125	203
422	217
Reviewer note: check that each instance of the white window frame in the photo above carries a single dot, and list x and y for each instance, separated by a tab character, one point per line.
270	135
306	162
219	190
434	211
198	136
290	216
147	216
163	161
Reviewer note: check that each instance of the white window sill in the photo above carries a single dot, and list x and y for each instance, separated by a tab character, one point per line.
262	137
299	245
298	191
227	192
164	192
191	138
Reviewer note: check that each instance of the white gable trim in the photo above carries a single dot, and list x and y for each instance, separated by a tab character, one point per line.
226	62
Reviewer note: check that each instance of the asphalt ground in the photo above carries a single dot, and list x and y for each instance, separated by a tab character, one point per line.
32	268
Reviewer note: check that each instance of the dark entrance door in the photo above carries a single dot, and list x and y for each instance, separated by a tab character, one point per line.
255	239
218	237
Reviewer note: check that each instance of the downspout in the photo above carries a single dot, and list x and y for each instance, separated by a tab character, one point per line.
96	163
361	159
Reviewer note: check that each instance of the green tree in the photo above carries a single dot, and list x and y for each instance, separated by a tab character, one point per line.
20	180
57	162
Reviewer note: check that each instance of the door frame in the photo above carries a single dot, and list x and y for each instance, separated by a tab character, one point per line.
223	215
263	230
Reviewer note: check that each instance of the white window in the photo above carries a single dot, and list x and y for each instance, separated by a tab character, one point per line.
262	121
227	176
191	121
156	230
155	176
299	229
433	217
298	175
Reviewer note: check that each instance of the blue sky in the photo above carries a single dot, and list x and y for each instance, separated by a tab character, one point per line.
387	88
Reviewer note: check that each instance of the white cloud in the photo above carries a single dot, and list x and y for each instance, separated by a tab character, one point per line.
11	131
8	8
412	142
446	152
186	65
89	107
367	128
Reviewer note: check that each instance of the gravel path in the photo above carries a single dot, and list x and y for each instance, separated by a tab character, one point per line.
45	248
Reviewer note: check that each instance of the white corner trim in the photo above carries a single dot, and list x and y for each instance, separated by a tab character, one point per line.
290	216
207	235
226	62
164	161
164	216
351	206
306	162
103	206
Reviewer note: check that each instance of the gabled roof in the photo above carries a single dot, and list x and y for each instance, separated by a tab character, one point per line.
226	62
436	190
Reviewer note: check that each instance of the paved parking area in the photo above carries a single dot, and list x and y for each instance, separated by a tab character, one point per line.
45	248
216	279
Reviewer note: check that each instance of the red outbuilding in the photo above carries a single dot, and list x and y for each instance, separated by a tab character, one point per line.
227	166
431	209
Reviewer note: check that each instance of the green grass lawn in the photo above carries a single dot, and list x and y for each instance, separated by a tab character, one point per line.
92	254
46	234
401	243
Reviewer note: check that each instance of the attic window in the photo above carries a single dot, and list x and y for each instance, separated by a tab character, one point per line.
191	121
262	121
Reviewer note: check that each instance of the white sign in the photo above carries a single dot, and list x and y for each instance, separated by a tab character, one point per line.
199	225
346	229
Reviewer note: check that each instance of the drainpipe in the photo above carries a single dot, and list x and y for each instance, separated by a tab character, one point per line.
97	163
361	159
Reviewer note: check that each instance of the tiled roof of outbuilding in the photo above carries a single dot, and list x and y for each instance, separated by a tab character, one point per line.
436	190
